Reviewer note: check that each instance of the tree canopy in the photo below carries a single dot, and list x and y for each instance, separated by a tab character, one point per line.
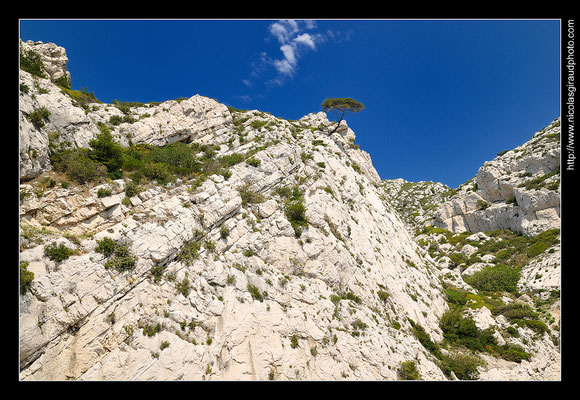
339	106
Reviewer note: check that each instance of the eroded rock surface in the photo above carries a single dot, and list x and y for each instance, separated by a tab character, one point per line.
258	300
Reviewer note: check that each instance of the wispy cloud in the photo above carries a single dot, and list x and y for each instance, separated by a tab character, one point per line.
296	38
283	29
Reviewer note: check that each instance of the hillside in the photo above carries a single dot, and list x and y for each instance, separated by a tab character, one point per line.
186	240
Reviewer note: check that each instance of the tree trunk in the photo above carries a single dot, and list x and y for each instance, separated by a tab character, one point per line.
337	125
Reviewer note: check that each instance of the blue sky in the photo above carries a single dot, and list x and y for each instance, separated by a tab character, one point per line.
441	96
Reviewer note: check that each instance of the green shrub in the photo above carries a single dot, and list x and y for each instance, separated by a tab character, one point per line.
31	62
158	172
81	98
482	204
457	259
184	287
516	250
383	296
304	156
522	315
77	165
351	296
209	245
514	353
179	158
456	297
124	106
293	342
121	263
131	189
106	246
189	252
425	340
534	324
296	214
157	272
513	331
356	167
255	292
117	120
333	228
57	253
117	253
459	329
408	371
538	182
335	298
132	161
127	202
108	152
258	124
232	159
464	366
433	230
358	324
254	162
26	277
224	231
249	196
495	279
121	260
63	81
283	191
515	311
151	330
38	116
543	241
102	192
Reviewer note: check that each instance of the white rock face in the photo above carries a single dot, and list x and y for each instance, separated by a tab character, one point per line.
415	201
53	57
258	302
65	123
519	190
83	321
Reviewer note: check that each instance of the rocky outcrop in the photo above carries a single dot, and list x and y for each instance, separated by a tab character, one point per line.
63	123
53	57
518	190
317	316
415	202
198	118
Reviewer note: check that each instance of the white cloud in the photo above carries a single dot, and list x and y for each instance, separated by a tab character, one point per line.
310	24
295	43
284	67
306	39
338	36
283	29
244	98
289	52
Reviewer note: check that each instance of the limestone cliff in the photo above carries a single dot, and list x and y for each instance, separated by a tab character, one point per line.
518	190
276	255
